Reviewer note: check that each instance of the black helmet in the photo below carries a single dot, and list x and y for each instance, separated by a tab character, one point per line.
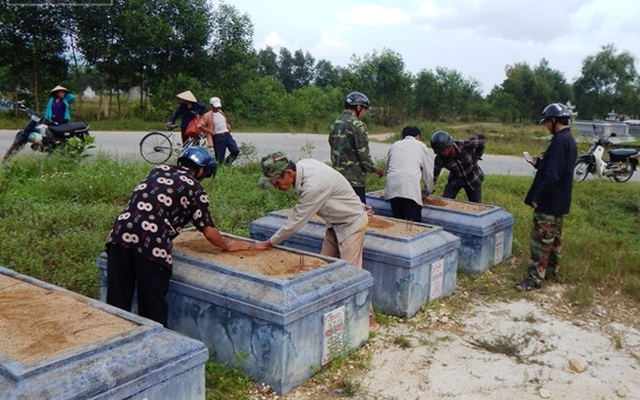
356	99
201	158
440	140
555	110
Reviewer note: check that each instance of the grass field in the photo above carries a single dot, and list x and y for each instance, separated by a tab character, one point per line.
55	215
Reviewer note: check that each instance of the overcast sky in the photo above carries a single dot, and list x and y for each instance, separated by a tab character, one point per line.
478	38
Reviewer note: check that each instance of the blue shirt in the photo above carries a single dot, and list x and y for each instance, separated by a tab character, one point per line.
59	111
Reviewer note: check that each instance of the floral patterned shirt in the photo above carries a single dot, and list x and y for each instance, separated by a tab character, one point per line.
160	206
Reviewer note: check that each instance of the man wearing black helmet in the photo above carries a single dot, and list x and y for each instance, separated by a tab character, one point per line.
139	244
550	197
461	159
349	143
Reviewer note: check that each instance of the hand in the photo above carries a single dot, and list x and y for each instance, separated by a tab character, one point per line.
534	160
369	210
236	245
534	205
263	245
379	172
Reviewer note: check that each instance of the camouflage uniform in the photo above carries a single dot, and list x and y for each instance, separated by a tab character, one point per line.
546	246
349	143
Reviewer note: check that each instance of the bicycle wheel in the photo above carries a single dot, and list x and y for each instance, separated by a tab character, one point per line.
156	147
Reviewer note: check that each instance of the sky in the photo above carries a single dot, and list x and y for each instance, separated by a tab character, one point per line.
477	38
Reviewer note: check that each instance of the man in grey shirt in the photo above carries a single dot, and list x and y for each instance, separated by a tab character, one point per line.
324	192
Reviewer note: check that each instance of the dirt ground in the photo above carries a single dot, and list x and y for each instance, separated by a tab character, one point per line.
535	347
43	323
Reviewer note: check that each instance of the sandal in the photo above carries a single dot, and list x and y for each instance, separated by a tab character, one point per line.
528	284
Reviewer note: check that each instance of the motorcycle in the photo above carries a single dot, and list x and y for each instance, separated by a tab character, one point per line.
43	134
621	165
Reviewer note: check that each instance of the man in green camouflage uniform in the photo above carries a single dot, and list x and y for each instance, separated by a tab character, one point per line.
349	143
550	197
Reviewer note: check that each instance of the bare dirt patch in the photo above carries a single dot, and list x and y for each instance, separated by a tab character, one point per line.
383	225
450	204
273	262
394	227
36	323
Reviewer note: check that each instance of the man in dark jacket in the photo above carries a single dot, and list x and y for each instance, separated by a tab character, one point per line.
550	197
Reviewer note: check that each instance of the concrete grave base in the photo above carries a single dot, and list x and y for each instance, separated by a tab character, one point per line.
278	330
57	358
411	263
485	231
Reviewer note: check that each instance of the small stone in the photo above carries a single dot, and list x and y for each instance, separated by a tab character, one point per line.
576	366
621	393
545	394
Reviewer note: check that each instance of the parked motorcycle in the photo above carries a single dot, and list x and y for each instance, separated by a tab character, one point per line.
42	134
621	165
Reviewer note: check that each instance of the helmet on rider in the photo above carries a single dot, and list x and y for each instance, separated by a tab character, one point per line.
199	157
555	110
440	140
356	99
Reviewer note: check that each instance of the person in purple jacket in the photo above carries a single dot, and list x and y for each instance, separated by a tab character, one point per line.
58	108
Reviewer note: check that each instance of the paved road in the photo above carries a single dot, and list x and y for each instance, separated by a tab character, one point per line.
296	145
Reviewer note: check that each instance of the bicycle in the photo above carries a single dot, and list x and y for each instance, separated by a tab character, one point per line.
157	147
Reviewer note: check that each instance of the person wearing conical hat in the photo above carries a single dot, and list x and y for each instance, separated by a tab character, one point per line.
58	106
187	110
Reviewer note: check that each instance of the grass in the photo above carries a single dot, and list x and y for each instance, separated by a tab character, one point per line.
55	216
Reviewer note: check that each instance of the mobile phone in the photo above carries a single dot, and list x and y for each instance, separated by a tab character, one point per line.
527	156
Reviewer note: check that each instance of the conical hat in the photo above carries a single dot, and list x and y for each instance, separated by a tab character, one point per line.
187	96
55	89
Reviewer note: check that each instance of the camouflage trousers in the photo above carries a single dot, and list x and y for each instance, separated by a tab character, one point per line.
546	246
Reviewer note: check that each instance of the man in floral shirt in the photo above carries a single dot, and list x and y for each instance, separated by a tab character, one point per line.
139	245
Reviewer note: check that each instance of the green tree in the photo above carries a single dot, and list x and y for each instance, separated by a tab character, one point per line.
445	94
551	87
303	64
144	43
326	74
521	85
268	62
32	50
286	66
609	81
233	61
383	78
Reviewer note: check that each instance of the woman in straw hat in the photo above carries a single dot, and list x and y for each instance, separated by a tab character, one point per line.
187	110
58	107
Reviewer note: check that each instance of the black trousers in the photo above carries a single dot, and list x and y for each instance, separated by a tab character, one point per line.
407	209
473	194
128	270
360	191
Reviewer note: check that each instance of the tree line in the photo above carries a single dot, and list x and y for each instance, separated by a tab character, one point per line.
168	46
